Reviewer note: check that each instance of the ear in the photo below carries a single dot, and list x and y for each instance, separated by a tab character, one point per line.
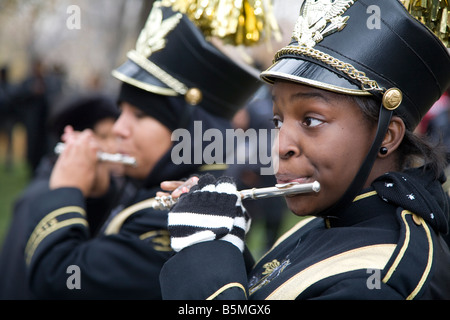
394	136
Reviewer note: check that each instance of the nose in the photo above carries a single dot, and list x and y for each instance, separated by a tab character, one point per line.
121	127
288	145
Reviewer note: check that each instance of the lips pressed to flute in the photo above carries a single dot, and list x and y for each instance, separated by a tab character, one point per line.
104	156
286	189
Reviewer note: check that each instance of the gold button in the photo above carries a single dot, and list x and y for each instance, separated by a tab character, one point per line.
392	98
193	96
417	220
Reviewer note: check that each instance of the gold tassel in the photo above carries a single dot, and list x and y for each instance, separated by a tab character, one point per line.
433	14
237	22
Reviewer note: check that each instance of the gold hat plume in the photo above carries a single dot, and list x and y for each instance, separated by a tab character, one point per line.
433	14
236	22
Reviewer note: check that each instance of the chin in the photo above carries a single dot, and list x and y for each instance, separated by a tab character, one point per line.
135	173
305	205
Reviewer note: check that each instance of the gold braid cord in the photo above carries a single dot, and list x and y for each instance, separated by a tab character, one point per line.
366	83
433	14
236	22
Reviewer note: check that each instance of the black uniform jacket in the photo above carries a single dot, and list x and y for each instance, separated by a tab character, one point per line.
387	245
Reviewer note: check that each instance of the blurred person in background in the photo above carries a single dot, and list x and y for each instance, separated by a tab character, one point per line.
33	107
7	115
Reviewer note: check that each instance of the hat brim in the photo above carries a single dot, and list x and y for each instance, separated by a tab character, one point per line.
310	74
133	74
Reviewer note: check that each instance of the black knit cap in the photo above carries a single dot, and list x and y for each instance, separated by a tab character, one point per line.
166	110
83	112
173	59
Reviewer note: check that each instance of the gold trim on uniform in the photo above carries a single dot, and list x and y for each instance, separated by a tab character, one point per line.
159	238
50	224
365	195
226	287
50	219
369	257
405	245
429	263
117	222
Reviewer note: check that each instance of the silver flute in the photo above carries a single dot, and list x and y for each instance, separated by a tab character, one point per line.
285	189
104	156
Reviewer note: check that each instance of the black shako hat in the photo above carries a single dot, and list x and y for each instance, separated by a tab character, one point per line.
338	46
173	58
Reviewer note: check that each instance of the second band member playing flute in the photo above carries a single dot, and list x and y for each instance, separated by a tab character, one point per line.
188	80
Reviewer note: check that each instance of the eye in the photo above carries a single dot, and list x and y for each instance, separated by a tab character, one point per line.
277	122
139	114
312	122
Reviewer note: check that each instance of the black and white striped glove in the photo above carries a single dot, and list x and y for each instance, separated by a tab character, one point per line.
212	210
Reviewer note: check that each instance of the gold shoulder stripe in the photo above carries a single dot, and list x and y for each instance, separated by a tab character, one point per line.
370	257
429	263
405	245
225	287
365	195
50	219
402	250
117	222
32	245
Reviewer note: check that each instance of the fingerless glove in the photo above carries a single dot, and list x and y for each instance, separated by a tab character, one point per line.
212	210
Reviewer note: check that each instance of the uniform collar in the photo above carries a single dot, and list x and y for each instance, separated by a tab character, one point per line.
366	209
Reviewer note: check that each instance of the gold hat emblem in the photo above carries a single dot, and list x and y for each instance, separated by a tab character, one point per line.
152	37
319	18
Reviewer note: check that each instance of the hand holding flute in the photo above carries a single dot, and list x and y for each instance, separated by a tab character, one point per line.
78	165
213	210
